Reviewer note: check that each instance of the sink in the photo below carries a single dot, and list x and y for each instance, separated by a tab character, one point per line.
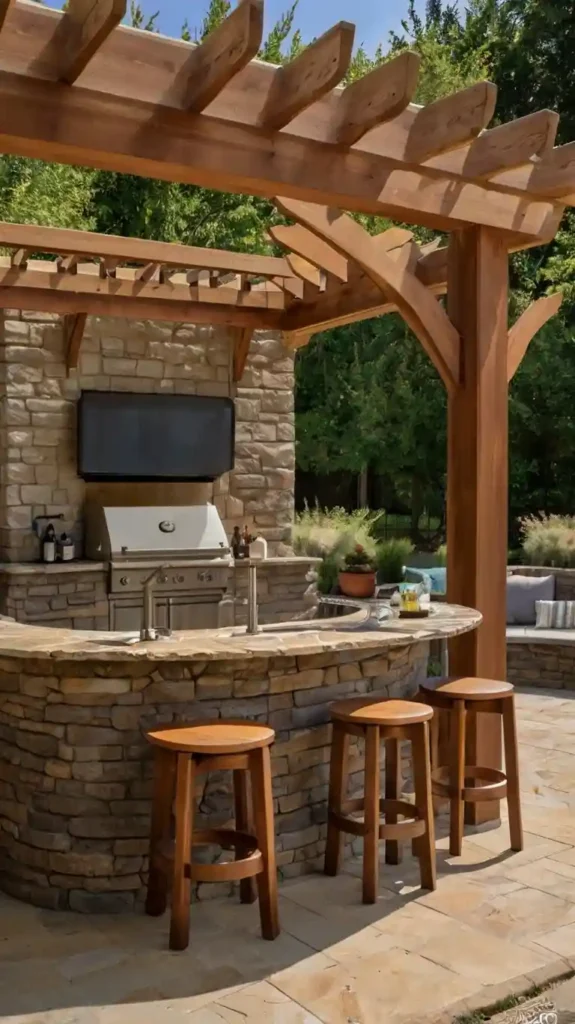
267	635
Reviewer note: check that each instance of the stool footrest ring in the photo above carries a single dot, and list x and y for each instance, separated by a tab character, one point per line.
230	871
490	784
402	830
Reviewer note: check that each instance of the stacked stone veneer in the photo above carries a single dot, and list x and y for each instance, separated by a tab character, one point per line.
76	597
38	418
75	769
550	665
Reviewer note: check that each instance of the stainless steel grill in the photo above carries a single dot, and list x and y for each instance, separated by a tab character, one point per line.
188	547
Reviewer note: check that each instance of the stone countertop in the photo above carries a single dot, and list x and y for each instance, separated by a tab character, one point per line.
320	636
86	565
48	568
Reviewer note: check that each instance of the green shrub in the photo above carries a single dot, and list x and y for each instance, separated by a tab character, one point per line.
441	555
391	557
317	531
327	573
549	540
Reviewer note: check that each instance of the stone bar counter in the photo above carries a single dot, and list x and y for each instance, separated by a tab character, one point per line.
75	769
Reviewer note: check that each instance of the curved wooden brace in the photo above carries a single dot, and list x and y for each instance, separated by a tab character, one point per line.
524	329
311	248
419	308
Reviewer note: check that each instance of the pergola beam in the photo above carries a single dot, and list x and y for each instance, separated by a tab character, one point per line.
74	325
376	98
313	249
223	54
66	242
418	307
451	121
525	328
84	27
312	74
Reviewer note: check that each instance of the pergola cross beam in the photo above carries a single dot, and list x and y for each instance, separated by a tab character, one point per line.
208	115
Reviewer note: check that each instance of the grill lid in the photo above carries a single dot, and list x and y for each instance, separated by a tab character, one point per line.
190	531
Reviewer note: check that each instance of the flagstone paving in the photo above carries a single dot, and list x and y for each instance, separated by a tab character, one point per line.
497	923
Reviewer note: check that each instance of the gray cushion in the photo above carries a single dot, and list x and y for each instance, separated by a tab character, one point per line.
522	593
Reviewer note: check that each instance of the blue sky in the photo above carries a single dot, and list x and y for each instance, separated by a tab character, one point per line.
374	19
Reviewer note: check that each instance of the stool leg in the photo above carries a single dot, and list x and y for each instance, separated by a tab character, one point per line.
457	780
424	802
512	772
393	783
371	815
162	797
180	922
243	824
338	773
267	882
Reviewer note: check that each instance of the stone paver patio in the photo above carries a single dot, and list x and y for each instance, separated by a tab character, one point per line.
497	923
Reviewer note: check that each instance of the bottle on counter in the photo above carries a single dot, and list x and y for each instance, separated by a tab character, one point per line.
236	542
258	548
66	548
49	544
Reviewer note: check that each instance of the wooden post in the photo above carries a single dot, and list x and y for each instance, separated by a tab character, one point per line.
477	476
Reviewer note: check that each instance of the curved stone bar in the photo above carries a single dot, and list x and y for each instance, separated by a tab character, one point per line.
75	770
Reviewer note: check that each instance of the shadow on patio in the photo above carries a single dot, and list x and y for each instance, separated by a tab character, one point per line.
496	919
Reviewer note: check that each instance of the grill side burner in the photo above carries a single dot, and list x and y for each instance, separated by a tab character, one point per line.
186	544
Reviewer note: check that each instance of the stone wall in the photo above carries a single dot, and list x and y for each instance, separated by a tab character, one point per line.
76	596
549	665
37	421
76	771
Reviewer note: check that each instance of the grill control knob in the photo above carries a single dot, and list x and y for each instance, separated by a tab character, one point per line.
162	579
124	580
205	577
178	579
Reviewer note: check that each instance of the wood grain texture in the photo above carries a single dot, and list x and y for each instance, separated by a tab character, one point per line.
377	97
228	48
85	26
503	147
241	339
5	6
477	474
526	327
312	74
553	176
45	120
313	249
65	241
451	121
417	305
305	270
73	333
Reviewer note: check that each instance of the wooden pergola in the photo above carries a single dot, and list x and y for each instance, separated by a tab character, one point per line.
76	87
312	288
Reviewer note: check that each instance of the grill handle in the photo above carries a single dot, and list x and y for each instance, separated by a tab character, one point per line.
169	614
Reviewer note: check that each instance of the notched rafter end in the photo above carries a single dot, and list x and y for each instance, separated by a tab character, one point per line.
83	29
313	74
228	48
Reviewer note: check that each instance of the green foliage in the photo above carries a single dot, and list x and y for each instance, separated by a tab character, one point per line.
549	540
319	531
441	555
358	560
391	557
327	573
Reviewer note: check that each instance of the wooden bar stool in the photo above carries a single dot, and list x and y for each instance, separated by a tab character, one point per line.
461	783
374	720
180	753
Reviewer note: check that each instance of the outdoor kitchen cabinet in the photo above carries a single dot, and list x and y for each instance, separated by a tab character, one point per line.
186	613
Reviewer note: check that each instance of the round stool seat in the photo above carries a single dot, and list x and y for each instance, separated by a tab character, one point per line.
468	688
235	736
385	711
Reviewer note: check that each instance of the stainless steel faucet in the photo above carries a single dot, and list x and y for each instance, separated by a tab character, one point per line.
252	626
149	631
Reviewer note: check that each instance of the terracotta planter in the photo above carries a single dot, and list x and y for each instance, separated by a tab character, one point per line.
357	584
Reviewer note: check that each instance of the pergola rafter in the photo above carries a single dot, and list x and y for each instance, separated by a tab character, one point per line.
211	115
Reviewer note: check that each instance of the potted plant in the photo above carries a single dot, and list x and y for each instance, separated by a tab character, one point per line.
390	558
357	577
